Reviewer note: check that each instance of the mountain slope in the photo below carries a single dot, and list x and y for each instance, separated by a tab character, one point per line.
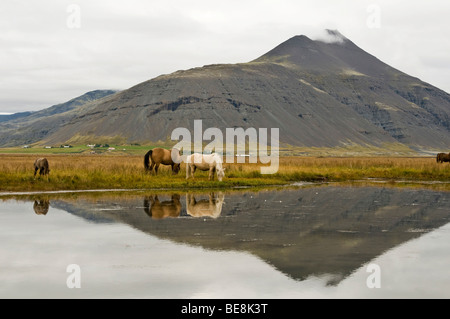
259	95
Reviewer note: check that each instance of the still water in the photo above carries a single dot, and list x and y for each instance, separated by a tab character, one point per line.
299	242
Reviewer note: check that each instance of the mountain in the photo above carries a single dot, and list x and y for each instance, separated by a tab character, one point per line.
31	127
318	93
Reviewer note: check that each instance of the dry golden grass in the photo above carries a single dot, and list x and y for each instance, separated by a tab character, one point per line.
351	168
74	172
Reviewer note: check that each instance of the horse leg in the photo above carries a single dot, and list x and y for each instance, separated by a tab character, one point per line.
151	166
173	168
35	171
212	170
156	169
188	168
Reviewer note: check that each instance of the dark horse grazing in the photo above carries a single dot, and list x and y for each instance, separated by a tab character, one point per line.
162	156
443	157
41	164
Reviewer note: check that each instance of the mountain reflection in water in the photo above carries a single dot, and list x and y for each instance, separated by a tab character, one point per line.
301	232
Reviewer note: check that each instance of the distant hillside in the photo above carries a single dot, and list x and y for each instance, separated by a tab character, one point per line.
9	117
31	127
318	94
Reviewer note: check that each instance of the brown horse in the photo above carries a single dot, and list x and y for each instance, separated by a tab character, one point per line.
41	165
162	156
443	157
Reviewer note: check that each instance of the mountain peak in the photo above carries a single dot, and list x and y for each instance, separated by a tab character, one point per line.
331	52
328	36
300	44
287	49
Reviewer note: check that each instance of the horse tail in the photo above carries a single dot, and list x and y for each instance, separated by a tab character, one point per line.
147	159
47	167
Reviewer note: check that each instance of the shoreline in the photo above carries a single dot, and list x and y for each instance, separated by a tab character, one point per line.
299	184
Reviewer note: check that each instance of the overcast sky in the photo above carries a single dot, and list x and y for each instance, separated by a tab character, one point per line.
54	50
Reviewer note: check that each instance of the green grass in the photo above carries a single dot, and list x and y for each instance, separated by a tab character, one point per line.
107	180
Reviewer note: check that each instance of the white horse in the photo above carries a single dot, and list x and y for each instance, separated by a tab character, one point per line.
211	163
211	207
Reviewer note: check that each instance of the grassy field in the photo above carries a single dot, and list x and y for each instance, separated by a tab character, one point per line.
79	149
108	171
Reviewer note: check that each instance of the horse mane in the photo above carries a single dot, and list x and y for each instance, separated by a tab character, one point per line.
218	160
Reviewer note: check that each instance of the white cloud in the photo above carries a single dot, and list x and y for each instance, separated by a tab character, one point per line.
119	44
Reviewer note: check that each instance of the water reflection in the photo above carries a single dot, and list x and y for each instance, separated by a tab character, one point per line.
41	206
210	207
156	209
302	232
196	205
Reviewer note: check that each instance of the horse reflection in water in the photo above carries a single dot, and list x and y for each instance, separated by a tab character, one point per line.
157	209
41	206
211	207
